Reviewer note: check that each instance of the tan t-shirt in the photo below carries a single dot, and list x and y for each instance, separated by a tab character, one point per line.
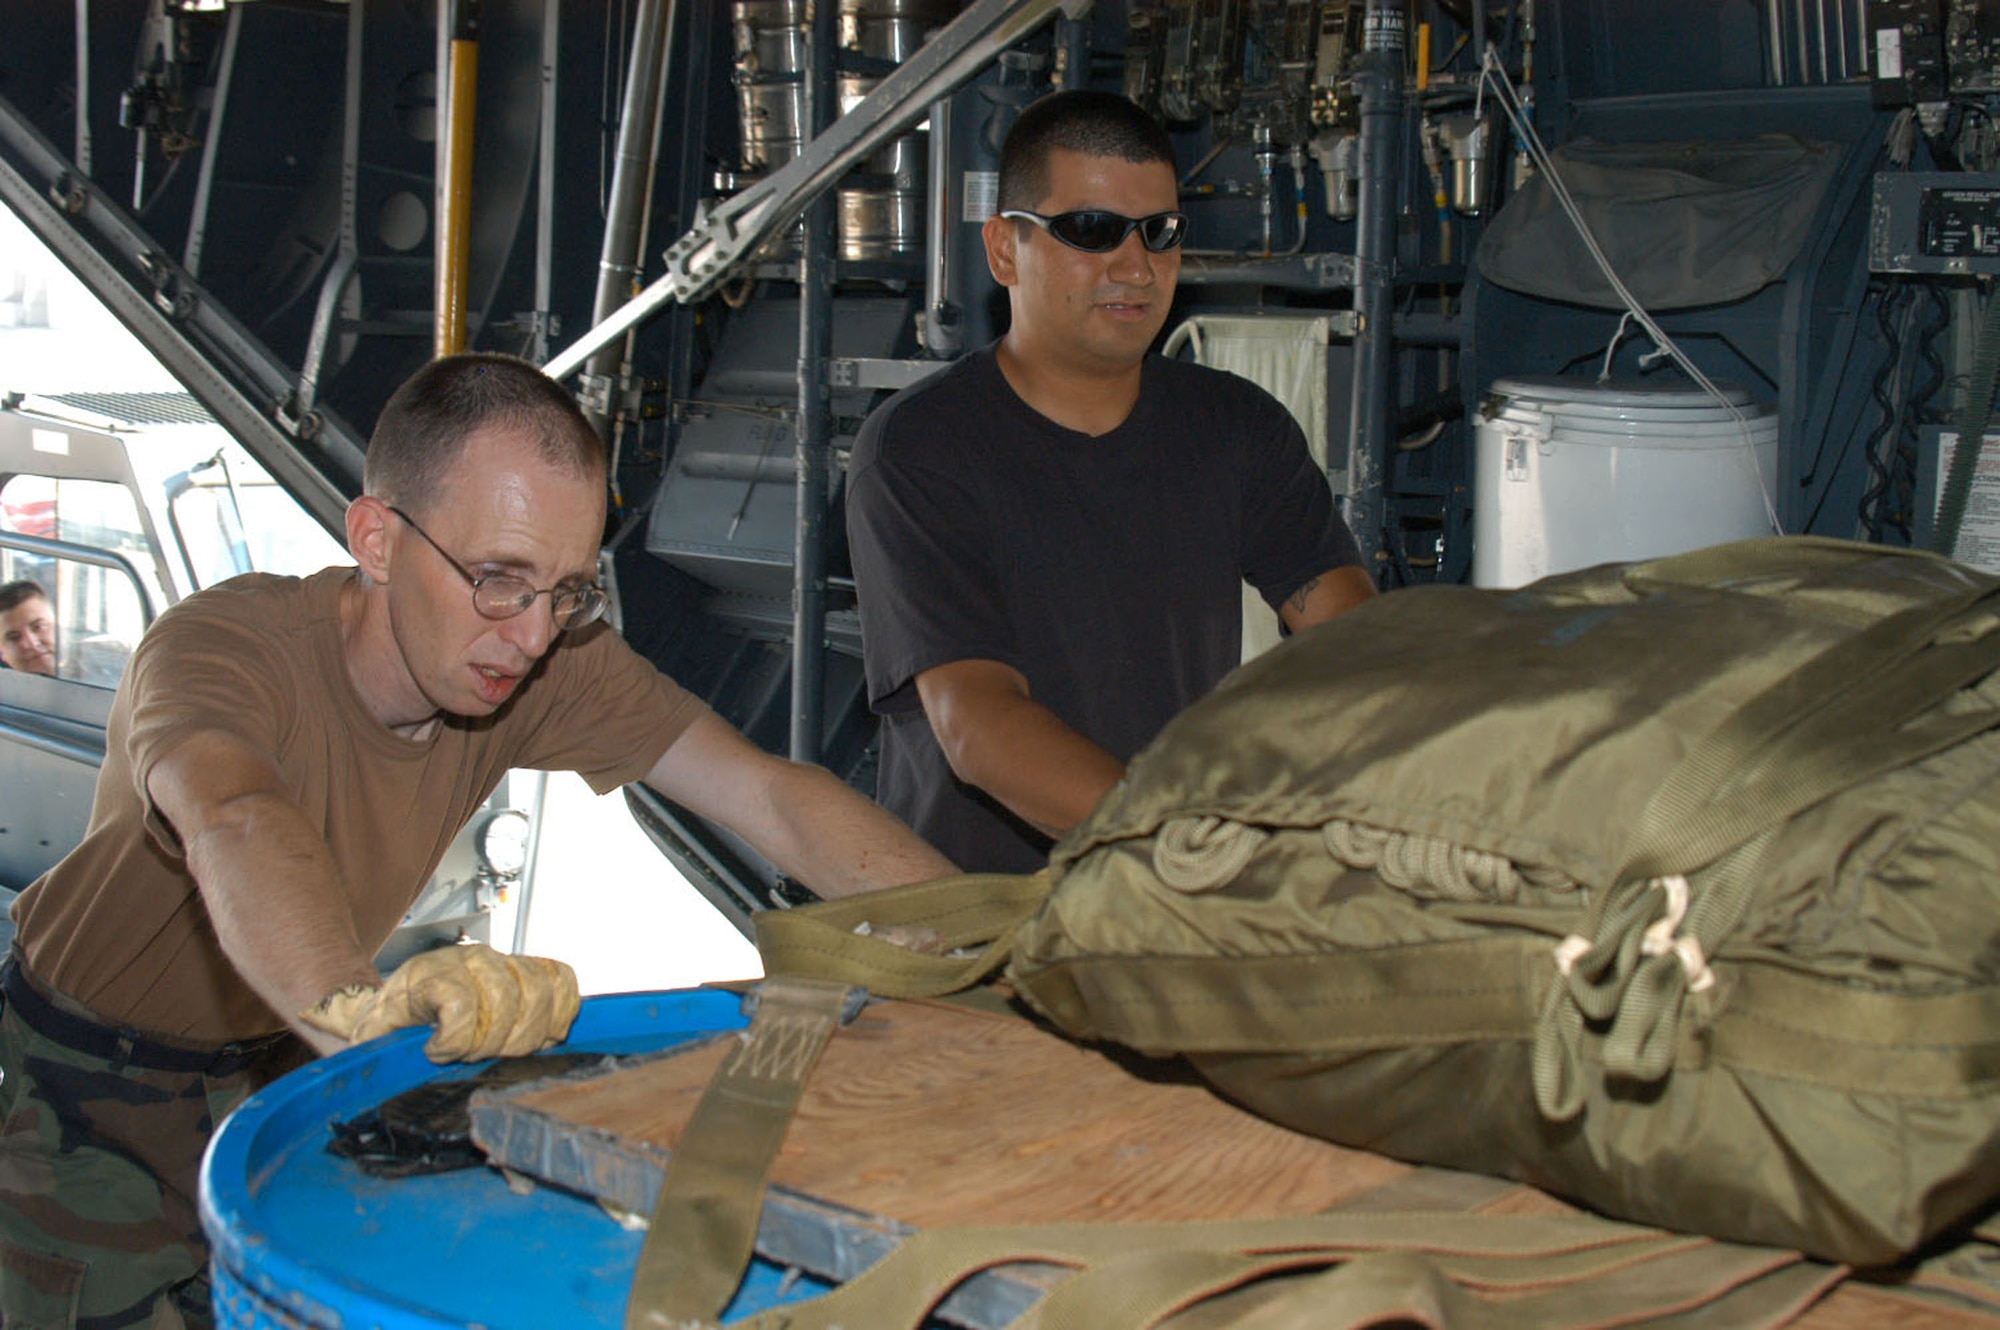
119	924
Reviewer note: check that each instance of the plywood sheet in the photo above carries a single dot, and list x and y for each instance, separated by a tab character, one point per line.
933	1114
925	1114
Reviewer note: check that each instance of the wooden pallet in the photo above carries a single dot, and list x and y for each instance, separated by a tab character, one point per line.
926	1114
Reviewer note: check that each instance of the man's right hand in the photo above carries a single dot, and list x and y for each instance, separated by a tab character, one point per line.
484	1003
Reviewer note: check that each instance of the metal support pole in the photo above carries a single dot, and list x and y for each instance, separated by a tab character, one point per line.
940	329
815	426
454	229
631	183
211	141
1378	79
81	154
545	207
687	189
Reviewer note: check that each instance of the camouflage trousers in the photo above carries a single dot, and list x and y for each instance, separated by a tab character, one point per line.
98	1171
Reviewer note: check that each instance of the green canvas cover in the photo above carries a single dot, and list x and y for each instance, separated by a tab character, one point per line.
1673	888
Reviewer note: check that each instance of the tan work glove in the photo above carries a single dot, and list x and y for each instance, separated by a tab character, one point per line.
484	1003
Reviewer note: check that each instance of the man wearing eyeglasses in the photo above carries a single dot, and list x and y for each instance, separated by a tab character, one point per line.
287	761
1049	537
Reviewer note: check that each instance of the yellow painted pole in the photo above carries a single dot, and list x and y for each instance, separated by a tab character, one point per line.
454	229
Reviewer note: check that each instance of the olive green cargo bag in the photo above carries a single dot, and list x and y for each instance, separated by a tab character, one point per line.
1672	888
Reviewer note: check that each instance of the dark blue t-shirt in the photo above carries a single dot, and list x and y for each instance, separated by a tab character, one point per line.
1106	569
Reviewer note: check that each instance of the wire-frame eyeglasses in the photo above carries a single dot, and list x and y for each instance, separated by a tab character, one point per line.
503	595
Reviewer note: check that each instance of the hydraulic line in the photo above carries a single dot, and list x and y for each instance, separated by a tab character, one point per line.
627	218
1971	431
1378	81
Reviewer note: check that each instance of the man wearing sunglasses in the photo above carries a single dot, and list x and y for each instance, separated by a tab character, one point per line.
287	761
1050	537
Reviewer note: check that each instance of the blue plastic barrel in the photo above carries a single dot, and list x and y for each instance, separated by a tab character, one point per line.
303	1238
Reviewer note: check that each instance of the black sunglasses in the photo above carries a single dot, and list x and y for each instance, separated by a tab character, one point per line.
1095	231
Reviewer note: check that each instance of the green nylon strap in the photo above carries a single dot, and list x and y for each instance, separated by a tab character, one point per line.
1432	993
1391	1287
982	910
704	1225
900	1289
1641	996
1768	760
1751	560
1133	1275
1145	1287
1776	1299
1842	718
1777	1022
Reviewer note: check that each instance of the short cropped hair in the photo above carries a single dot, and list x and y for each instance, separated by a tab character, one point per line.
426	423
1097	124
13	594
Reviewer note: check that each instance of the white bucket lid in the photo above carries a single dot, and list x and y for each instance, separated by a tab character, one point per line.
1714	434
1552	390
1620	410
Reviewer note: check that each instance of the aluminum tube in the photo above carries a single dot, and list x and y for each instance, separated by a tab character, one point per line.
82	151
631	176
1378	80
691	84
941	314
211	141
545	204
815	424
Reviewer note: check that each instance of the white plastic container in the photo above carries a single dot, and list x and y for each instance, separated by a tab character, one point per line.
1569	473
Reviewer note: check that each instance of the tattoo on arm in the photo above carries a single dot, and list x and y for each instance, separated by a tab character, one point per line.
1298	598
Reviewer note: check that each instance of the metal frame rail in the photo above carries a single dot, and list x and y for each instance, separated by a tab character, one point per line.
243	385
733	232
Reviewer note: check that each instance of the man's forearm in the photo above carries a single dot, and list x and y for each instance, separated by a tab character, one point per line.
278	908
1026	757
839	842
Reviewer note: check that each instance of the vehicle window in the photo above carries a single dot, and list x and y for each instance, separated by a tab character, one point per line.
98	611
228	524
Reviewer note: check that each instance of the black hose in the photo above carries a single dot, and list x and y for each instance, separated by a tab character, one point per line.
1875	494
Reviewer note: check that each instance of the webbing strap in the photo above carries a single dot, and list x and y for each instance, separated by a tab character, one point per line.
1853	712
1719	1289
976	910
1778	1022
704	1225
1763	557
1836	720
1552	1289
1966	1275
1569	1271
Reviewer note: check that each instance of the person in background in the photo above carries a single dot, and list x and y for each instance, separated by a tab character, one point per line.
27	628
1050	537
286	762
